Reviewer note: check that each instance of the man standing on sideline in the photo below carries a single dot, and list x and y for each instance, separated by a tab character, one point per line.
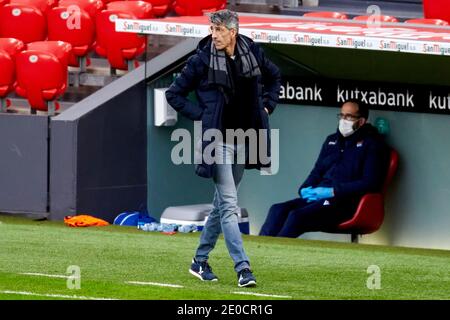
236	87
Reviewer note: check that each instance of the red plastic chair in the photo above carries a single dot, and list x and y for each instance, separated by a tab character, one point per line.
92	7
60	49
141	9
40	79
199	7
7	79
369	214
436	9
437	22
3	2
22	22
326	14
81	36
11	46
383	18
161	7
43	5
120	48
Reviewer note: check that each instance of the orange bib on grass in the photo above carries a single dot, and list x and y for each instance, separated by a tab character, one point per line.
84	221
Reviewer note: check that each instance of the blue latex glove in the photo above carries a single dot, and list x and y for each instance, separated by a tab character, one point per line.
306	192
322	193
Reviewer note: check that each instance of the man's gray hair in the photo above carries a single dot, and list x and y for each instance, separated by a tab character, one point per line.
225	17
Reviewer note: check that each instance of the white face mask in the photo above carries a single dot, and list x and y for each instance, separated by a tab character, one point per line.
346	127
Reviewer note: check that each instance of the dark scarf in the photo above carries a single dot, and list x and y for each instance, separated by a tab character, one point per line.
218	71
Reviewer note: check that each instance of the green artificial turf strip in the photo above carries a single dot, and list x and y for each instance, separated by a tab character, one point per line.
110	256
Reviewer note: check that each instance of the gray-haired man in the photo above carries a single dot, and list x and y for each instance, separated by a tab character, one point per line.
237	87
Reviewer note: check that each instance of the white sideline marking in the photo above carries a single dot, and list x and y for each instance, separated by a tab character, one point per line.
45	275
155	284
26	293
261	294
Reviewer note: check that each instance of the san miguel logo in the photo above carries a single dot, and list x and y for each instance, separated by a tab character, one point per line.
134	26
436	48
264	36
137	26
180	29
398	46
308	39
352	42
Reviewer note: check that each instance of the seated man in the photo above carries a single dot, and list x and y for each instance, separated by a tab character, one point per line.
352	162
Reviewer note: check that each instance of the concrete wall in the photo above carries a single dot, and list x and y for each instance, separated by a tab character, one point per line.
98	155
23	163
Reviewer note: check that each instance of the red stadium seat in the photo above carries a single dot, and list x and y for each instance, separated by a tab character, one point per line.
22	22
141	9
92	7
7	78
382	18
326	14
437	22
40	79
161	7
198	8
43	5
370	212
437	9
81	37
120	48
60	49
11	46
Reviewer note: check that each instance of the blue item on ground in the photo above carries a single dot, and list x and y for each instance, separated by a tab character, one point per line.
187	228
153	226
169	227
133	218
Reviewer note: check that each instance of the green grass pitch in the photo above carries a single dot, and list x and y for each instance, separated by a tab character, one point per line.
111	256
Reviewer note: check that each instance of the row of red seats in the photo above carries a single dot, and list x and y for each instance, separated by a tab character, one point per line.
39	42
79	29
160	7
36	71
383	18
85	25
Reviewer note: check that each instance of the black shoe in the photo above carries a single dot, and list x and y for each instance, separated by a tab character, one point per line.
246	278
202	270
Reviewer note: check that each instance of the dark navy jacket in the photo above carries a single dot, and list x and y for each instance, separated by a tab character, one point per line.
211	99
353	166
